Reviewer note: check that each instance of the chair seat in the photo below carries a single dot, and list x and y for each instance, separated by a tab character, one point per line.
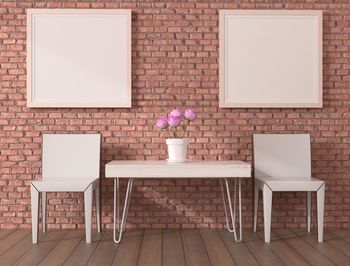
290	184
64	185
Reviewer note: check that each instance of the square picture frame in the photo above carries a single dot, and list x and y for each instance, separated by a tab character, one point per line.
79	58
270	58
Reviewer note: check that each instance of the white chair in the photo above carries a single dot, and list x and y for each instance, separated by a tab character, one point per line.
70	163
282	162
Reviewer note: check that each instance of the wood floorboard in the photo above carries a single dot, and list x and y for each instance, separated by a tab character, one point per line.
105	251
16	251
340	232
63	249
11	239
39	251
82	252
5	232
128	252
311	255
151	248
239	251
326	235
175	248
347	239
263	252
173	251
341	245
285	253
195	251
218	253
325	248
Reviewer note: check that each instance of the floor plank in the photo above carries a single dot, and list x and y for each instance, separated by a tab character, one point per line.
311	255
195	251
285	253
39	251
341	245
16	251
263	252
340	232
63	249
216	248
173	251
239	251
347	239
327	235
5	232
325	249
82	252
105	251
127	253
151	248
176	247
11	239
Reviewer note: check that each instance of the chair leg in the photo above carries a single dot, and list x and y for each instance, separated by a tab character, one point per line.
256	204
35	212
98	212
267	198
309	211
43	210
320	211
88	212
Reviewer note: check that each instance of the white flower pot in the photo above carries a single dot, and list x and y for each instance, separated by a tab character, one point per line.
177	150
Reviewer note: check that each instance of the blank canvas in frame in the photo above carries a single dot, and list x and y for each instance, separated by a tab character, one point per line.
270	58
79	58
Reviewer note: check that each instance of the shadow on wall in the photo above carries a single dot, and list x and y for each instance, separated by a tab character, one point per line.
169	203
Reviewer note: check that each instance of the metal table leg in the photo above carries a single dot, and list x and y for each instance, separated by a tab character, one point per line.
231	228
116	221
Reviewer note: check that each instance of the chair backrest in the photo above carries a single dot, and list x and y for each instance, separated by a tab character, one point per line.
73	157
282	155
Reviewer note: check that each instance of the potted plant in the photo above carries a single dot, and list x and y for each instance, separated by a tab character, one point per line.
178	122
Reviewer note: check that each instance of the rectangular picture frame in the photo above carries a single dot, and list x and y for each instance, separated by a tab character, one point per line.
270	58
79	58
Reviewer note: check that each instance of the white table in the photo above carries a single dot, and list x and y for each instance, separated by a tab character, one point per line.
191	169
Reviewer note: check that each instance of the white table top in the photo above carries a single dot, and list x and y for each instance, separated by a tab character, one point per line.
189	169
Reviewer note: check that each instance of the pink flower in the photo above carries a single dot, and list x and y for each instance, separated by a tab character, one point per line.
174	121
176	112
162	122
190	114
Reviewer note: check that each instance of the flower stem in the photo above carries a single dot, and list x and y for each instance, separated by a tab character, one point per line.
167	130
184	128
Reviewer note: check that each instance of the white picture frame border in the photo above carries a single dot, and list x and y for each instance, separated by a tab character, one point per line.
30	44
223	103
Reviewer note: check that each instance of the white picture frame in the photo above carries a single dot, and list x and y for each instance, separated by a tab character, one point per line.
79	58
270	58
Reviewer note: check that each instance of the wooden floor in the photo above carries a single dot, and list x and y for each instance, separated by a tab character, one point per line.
175	247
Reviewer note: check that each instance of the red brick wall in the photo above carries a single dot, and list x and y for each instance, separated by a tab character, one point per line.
175	64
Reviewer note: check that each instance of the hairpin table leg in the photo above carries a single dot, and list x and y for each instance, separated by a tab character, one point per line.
117	224
231	228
